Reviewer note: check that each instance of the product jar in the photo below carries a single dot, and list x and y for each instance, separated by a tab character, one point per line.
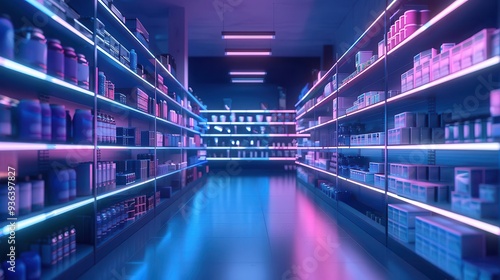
59	187
32	48
37	193
82	126
6	37
83	72
72	183
25	197
70	66
46	122
29	120
55	59
5	117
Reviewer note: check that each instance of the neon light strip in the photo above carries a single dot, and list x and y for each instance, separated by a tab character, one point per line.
124	189
362	185
247	53
460	218
361	147
448	10
125	67
123	106
59	20
480	66
451	147
253	148
21	224
251	159
317	169
248	73
246	81
10	146
124	148
182	169
248	111
21	69
249	123
255	135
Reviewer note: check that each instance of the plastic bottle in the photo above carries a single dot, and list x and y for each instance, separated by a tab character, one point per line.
37	193
32	48
66	245
60	245
82	126
101	83
72	183
59	186
25	197
55	58
70	66
58	115
33	264
5	117
133	60
29	120
6	37
72	239
82	72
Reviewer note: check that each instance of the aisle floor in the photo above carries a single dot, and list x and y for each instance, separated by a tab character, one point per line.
249	228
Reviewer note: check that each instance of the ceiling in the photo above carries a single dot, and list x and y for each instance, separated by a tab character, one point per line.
302	26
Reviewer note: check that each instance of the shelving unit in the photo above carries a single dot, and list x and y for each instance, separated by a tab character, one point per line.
251	135
336	165
177	161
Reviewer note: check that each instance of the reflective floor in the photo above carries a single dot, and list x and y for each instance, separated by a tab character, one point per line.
249	227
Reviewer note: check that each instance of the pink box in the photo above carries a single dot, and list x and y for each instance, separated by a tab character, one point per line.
402	34
398	39
444	64
393	29
410	83
482	45
467	52
398	25
417	78
411	17
456	59
381	48
410	29
404	86
401	22
426	72
435	68
495	43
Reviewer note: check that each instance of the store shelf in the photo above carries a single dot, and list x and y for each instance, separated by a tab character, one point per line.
361	80
318	105
195	116
134	81
494	229
39	80
171	124
179	170
361	184
63	270
19	146
253	148
47	213
256	135
104	103
104	147
251	159
250	123
249	111
473	70
120	189
124	33
317	169
170	99
359	147
450	147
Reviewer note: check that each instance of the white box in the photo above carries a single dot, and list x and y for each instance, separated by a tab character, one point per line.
482	45
467	53
426	72
489	192
410	81
468	179
381	48
363	57
404	86
415	135
435	68
482	209
425	135
417	78
376	167
405	119
456	59
399	136
444	64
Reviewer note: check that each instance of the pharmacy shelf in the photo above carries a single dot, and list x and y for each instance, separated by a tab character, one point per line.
361	80
120	189
179	170
179	106
124	34
257	135
450	147
42	81
195	116
64	270
318	105
180	148
50	19
311	148
474	70
251	159
104	147
109	60
316	168
171	124
47	213
361	184
488	227
253	148
104	103
248	111
19	146
249	123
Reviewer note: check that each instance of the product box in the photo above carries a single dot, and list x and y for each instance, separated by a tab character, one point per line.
417	78
327	89
410	81
435	67
399	136
444	64
483	268
426	72
381	48
425	56
137	28
456	59
405	119
467	53
338	78
379	180
482	45
362	57
404	86
415	135
489	192
495	43
482	209
468	179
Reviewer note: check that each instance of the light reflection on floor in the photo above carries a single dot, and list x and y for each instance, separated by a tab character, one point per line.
254	228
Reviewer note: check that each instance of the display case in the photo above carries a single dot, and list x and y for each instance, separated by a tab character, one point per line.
97	136
413	135
251	135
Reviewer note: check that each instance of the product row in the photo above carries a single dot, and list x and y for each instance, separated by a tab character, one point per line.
253	154
404	27
216	142
275	117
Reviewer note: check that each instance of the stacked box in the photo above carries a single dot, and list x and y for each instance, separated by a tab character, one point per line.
138	99
402	221
376	167
446	243
379	181
361	176
148	138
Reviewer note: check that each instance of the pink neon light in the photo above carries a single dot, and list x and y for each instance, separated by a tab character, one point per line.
245	37
249	73
249	53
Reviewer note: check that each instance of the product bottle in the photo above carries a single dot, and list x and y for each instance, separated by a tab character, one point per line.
25	196
101	83
53	248
60	245
83	72
46	122
72	183
29	120
99	227
72	239
99	129
70	66
37	193
32	48
66	241
6	37
82	126
33	265
5	117
55	58
133	60
69	127
58	114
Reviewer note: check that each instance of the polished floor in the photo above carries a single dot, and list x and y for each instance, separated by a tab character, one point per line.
249	228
